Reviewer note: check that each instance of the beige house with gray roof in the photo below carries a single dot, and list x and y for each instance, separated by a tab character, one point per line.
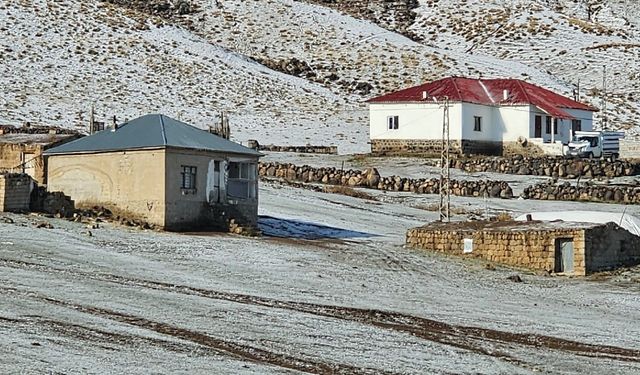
162	171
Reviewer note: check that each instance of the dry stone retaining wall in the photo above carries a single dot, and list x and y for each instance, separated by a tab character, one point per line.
370	178
308	149
557	167
584	193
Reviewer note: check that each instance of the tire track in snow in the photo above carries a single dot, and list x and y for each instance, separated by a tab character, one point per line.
237	350
102	337
474	339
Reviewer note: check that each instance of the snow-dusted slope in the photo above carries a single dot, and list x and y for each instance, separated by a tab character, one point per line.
559	36
59	58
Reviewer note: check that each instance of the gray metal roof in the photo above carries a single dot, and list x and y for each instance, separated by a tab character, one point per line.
152	131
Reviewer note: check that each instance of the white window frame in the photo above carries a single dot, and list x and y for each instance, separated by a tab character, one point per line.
244	184
188	177
393	122
477	123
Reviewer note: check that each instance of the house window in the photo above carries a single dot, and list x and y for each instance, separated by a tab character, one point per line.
538	127
576	125
188	177
477	123
548	128
242	180
393	122
555	126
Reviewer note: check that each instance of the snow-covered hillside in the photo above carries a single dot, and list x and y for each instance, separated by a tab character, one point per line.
59	58
562	37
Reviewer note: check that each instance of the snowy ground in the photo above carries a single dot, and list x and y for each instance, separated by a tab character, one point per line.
352	300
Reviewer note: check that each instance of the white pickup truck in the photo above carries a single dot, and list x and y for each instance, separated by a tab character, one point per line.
595	144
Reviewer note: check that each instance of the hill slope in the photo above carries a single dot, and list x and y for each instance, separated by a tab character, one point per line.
197	58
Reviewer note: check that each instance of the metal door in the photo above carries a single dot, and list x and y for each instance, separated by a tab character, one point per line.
564	255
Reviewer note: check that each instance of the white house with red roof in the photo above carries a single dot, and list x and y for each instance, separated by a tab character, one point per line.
489	116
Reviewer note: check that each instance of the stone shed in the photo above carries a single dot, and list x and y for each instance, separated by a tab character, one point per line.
559	247
21	148
15	192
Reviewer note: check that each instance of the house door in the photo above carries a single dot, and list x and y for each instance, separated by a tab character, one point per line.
29	164
213	182
538	127
564	255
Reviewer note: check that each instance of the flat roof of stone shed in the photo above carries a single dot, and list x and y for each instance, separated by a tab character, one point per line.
41	139
507	226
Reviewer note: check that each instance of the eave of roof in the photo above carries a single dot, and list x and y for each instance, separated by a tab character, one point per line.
152	131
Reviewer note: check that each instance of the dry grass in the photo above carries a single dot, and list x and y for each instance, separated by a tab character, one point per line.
456	210
346	190
503	216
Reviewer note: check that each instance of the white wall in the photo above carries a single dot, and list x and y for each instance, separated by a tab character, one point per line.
507	123
585	116
514	120
416	121
488	131
564	125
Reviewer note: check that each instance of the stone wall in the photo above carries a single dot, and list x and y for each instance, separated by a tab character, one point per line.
433	147
558	167
532	244
370	178
523	244
583	193
132	181
610	247
427	147
11	157
308	149
15	191
629	149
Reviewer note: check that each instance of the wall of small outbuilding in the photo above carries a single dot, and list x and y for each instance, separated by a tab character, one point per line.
530	248
130	182
191	209
609	247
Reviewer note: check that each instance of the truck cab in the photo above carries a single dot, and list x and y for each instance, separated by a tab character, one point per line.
595	144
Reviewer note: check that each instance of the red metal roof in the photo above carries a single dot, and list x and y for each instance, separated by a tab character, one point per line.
487	92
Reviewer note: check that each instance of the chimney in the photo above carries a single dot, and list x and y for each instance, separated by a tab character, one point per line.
115	124
505	95
425	95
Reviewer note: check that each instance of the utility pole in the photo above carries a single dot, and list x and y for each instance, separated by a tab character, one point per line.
604	97
445	196
92	121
